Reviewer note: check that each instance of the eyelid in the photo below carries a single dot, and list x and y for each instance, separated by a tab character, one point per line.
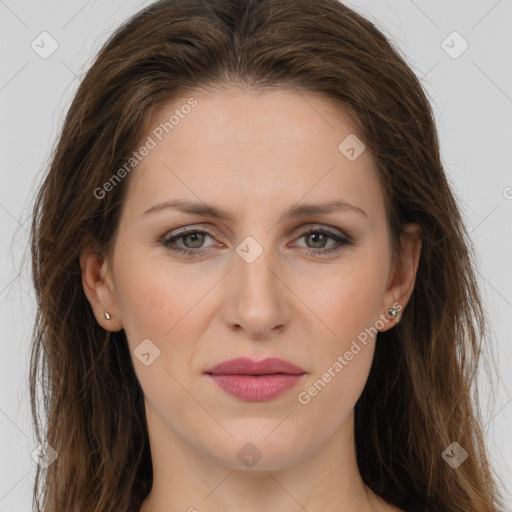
179	232
210	230
173	236
323	227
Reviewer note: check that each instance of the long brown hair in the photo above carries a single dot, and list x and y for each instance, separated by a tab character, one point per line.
421	392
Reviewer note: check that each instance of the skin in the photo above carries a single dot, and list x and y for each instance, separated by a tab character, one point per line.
255	154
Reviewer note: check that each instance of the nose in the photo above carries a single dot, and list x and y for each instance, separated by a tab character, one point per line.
256	294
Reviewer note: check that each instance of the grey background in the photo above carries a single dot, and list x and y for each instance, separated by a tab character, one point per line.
472	100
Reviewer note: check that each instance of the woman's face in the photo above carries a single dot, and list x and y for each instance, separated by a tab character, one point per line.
254	283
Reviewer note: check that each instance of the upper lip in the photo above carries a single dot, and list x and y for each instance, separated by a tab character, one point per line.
247	366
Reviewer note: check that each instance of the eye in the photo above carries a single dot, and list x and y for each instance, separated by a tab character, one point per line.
318	238
193	241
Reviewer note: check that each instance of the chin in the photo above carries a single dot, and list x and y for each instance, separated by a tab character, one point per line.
256	451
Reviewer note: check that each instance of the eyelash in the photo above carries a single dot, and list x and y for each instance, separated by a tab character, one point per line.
342	241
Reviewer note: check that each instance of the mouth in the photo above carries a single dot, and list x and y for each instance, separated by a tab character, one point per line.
256	381
247	366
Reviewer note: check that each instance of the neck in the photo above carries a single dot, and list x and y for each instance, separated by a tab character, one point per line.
189	480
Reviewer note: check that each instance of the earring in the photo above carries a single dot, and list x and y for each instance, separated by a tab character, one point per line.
393	312
106	315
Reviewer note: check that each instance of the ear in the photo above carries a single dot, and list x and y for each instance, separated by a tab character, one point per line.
98	287
403	274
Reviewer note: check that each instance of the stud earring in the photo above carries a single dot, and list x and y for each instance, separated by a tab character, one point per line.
106	315
392	313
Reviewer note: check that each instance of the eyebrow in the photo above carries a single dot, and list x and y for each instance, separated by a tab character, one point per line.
301	210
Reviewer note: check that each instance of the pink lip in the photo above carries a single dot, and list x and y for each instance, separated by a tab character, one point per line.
256	381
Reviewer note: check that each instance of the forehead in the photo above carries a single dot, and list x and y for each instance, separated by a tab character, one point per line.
257	149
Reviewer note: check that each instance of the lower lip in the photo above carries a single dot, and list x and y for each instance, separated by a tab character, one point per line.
256	388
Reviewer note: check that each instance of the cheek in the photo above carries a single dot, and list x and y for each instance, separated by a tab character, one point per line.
161	304
170	306
157	298
342	360
349	304
346	298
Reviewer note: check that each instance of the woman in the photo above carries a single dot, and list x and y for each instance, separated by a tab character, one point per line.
201	351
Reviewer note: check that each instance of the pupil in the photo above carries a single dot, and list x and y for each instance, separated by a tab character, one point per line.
321	235
192	236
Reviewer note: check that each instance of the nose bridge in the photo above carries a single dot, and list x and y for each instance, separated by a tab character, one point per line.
256	292
255	258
